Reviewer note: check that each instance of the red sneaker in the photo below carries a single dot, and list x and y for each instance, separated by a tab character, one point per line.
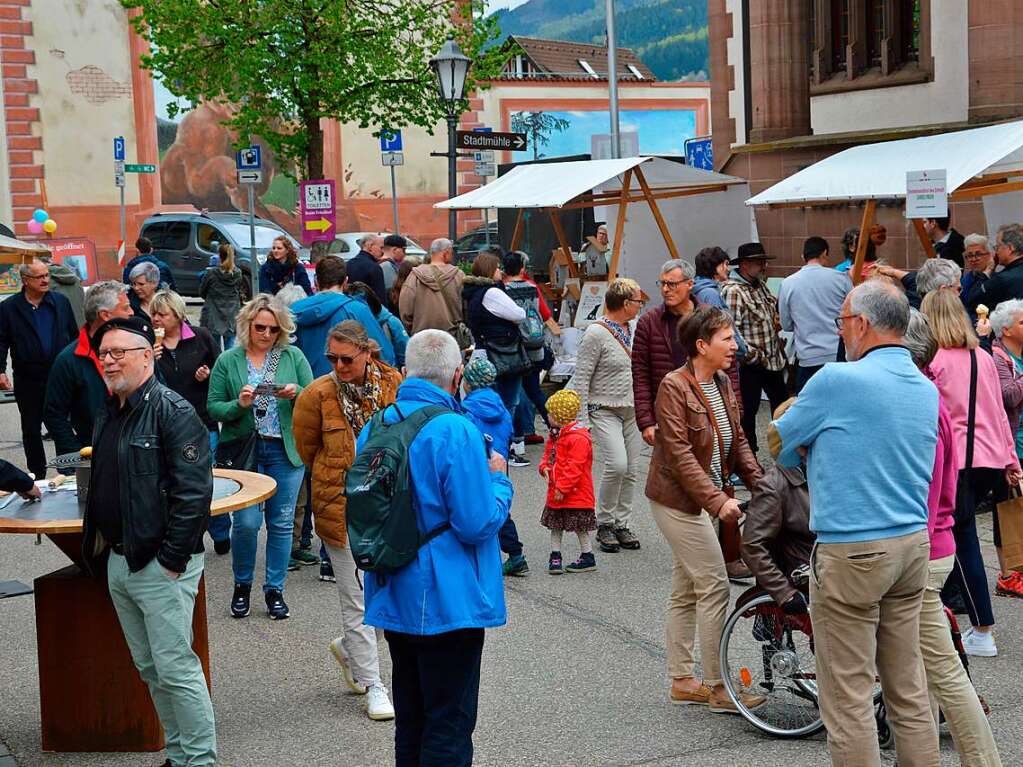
1010	585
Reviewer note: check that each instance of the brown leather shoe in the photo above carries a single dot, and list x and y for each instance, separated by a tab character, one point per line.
720	703
698	697
737	571
606	539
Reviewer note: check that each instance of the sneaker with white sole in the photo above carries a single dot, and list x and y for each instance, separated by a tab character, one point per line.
346	671
517	459
979	644
378	705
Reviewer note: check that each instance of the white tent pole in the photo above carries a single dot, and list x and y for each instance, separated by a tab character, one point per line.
612	80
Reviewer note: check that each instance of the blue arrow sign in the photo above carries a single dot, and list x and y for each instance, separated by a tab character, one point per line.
119	148
249	158
390	140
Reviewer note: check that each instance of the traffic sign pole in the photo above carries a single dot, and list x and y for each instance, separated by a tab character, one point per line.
394	202
253	261
119	181
249	162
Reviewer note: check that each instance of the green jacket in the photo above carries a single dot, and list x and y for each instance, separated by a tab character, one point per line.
231	373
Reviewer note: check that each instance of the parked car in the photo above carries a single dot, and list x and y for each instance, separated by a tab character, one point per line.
472	243
187	242
346	245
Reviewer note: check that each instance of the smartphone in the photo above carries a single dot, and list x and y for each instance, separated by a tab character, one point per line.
263	389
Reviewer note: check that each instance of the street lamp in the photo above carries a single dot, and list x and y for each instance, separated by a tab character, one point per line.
451	67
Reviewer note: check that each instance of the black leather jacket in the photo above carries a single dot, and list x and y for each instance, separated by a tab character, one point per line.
166	481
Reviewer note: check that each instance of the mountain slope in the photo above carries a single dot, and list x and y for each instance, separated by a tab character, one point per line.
669	35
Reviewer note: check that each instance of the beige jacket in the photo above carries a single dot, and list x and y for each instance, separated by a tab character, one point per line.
432	298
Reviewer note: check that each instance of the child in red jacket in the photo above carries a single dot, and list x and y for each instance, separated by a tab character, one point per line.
566	465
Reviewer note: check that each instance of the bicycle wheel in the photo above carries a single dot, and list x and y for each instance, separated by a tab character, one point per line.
766	653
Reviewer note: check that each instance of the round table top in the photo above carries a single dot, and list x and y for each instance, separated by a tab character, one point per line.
58	511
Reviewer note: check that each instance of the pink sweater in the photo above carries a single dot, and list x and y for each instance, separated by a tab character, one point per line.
994	445
941	500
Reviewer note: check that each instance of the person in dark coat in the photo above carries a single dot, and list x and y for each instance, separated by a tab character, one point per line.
222	289
365	267
14	480
145	248
35	325
75	390
948	243
281	268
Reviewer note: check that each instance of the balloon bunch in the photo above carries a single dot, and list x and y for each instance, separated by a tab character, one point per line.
41	222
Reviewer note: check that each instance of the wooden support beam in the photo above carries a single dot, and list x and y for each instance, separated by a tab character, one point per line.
517	233
563	242
861	244
616	249
972	192
925	240
656	211
583	203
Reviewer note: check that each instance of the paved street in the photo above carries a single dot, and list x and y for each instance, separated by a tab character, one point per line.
577	677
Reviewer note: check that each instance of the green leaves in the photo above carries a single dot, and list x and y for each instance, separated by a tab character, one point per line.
283	65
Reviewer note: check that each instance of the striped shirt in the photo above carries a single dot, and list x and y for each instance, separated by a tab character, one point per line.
720	413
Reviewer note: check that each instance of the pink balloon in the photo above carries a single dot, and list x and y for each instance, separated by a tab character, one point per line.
36	227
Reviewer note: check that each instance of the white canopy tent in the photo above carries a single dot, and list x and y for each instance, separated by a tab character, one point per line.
979	162
684	204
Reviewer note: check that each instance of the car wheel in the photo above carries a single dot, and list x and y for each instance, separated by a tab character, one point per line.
246	286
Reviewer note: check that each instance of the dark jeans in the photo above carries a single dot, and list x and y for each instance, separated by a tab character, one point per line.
804	374
436	684
508	536
754	379
968	575
30	396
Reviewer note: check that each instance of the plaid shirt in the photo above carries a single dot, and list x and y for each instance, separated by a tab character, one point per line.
755	310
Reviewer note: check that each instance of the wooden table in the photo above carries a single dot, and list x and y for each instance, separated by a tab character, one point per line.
91	697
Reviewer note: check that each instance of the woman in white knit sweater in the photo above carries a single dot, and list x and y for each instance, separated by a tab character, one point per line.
603	379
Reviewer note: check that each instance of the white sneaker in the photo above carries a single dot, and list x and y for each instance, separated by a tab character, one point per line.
346	670
519	447
378	705
980	644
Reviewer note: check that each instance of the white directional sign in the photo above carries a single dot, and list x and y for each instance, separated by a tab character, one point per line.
250	176
926	193
119	173
392	158
485	169
317	197
486	155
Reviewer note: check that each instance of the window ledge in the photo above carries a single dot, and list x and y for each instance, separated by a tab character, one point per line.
911	74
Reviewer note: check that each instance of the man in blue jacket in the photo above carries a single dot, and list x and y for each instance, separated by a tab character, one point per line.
435	609
317	314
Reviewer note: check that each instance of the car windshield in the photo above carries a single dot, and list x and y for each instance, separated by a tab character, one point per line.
265	236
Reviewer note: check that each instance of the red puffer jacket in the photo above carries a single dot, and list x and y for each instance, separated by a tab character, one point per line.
653	358
569	459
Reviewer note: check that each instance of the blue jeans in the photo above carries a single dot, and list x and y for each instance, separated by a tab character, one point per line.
279	513
508	389
219	526
224	342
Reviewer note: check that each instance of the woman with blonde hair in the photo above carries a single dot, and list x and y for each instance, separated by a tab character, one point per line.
967	380
252	391
222	290
282	268
603	379
329	416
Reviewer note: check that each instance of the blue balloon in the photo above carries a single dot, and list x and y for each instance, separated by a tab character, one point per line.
40	215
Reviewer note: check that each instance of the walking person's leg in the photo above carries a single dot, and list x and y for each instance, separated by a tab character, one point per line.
633	442
750	387
531	386
969	572
279	510
775	388
30	397
406	686
606	426
219	526
900	662
245	524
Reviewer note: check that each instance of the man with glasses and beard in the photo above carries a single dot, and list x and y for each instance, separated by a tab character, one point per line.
147	509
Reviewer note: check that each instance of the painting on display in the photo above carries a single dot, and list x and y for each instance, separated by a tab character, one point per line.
661	131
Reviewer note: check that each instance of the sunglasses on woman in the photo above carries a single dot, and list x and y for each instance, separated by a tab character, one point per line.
344	359
264	329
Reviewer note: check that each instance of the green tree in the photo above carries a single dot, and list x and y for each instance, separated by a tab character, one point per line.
539	126
284	65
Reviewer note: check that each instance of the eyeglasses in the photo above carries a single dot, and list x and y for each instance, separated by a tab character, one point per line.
975	256
672	284
36	276
840	321
117	354
264	329
344	359
639	301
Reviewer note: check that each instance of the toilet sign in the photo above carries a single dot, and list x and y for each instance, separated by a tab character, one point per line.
319	217
927	193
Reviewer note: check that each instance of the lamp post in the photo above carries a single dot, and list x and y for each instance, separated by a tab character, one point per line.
451	67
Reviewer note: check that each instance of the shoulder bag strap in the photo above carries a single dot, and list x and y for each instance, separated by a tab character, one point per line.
971	418
725	470
614	335
452	306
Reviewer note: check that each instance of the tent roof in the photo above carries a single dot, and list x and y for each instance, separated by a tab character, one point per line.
876	171
554	184
13	251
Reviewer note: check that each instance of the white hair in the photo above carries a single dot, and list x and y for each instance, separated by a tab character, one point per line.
1004	315
433	356
103	297
977	239
688	270
290	293
440	245
938	273
146	269
882	305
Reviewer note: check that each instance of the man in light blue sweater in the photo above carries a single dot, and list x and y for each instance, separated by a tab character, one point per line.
808	303
869	431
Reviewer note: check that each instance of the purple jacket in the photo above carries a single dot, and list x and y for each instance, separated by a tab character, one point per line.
1011	382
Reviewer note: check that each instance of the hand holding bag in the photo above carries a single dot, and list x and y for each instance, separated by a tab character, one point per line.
1010	523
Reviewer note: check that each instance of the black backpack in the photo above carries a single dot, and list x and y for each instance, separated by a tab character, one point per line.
382	530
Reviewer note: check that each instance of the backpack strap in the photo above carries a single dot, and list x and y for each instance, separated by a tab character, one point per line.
418	421
971	418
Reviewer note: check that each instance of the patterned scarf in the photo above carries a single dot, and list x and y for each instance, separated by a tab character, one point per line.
360	401
621	332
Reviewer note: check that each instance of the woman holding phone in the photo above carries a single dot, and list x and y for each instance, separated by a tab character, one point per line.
253	387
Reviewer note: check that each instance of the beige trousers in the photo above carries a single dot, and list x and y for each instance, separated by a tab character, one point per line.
358	640
699	592
947	681
865	601
617	436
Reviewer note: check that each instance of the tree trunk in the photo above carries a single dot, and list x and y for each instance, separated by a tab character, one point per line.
314	155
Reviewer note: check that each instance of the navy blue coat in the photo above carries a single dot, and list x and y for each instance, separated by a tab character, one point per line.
18	336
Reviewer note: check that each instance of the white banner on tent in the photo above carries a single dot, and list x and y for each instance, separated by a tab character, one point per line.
926	193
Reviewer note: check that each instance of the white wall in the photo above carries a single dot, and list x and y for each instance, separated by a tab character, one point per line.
945	99
737	96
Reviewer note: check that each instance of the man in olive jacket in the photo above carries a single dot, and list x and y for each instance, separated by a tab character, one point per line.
148	504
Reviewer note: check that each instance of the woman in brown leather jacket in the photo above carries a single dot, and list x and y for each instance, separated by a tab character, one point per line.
699	444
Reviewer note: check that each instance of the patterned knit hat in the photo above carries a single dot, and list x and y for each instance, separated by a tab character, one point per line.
564	405
479	373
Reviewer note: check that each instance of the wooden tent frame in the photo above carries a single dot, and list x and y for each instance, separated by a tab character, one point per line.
622	198
976	188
